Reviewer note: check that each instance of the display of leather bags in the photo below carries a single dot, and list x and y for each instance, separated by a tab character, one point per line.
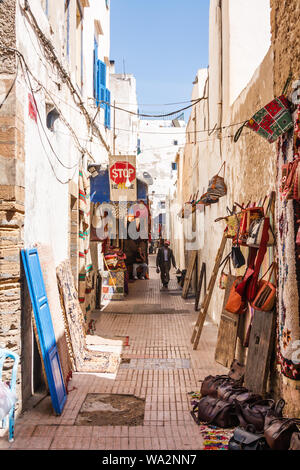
210	410
266	295
247	439
235	303
278	431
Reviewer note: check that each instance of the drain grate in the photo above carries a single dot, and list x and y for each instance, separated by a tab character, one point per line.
156	364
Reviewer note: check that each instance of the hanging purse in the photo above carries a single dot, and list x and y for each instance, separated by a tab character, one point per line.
249	215
255	234
235	303
266	295
290	180
224	276
217	187
238	259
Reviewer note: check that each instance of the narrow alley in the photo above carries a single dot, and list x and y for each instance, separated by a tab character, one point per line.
149	228
163	370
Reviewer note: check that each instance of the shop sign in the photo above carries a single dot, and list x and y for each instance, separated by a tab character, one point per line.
122	178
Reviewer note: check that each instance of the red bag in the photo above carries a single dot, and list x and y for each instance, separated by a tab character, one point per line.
248	216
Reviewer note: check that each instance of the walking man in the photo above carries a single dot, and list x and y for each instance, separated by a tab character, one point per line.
164	259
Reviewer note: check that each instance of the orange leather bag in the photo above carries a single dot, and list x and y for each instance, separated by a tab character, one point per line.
266	294
235	303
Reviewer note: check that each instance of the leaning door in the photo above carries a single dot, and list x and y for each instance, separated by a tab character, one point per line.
44	327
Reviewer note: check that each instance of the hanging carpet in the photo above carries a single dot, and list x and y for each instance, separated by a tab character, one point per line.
85	360
288	214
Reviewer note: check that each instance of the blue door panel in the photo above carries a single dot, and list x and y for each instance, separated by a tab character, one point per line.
45	329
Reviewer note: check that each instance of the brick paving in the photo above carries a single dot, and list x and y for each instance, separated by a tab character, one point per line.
154	333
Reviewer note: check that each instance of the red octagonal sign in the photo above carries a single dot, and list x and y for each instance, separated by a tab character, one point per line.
119	172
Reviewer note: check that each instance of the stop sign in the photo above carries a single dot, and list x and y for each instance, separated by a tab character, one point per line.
120	171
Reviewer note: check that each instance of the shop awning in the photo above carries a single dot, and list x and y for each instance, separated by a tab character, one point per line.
100	191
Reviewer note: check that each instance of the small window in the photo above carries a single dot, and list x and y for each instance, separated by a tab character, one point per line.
174	166
175	142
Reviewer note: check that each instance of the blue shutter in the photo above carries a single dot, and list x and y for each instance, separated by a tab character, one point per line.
44	327
107	109
101	79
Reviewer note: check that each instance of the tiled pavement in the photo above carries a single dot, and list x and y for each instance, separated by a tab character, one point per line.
155	334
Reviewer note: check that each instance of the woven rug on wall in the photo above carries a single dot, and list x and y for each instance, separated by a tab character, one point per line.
49	275
288	269
85	360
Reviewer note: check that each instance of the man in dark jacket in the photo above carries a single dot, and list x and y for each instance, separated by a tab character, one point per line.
164	259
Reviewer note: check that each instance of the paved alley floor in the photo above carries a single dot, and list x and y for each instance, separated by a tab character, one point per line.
162	369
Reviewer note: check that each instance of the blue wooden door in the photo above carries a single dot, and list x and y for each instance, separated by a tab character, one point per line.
45	330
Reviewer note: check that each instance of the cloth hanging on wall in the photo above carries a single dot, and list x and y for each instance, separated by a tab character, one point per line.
85	281
288	212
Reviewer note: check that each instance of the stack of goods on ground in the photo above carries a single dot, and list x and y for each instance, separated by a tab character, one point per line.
256	423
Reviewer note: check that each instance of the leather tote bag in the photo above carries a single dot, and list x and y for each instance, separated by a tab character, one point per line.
247	439
210	410
266	294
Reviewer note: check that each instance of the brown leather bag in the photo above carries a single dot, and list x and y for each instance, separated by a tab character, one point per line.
230	393
210	410
278	431
237	371
211	384
295	441
255	413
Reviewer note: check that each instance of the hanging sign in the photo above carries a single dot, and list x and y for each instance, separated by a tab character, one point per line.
122	177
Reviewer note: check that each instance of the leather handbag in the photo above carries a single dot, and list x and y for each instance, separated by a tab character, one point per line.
233	392
235	303
255	413
295	441
238	259
266	295
249	215
224	276
247	439
237	371
210	410
278	431
255	234
211	384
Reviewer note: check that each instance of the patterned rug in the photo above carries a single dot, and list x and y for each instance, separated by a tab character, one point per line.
289	266
85	359
215	438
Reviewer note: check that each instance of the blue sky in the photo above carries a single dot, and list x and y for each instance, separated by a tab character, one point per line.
163	44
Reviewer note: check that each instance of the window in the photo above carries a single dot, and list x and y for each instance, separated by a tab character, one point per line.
79	48
67	28
174	166
175	142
